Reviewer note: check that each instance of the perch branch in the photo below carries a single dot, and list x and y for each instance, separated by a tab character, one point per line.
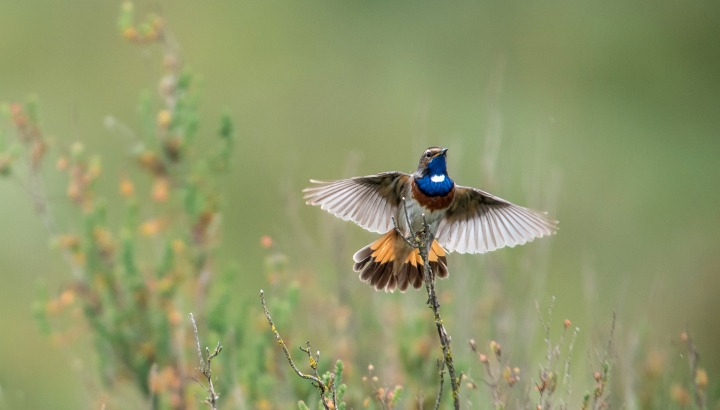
422	241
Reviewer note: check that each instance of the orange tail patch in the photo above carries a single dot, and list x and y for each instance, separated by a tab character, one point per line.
390	263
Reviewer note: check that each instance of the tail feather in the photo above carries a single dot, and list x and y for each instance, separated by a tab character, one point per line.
389	263
402	277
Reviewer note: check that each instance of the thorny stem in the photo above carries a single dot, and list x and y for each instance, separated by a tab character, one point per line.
205	366
315	378
422	241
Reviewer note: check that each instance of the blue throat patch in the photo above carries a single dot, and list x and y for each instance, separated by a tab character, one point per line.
436	182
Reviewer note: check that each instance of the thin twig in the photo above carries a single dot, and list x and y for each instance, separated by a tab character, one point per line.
380	397
402	235
205	366
568	375
317	382
441	371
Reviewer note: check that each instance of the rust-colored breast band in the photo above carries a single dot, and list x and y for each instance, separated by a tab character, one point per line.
432	203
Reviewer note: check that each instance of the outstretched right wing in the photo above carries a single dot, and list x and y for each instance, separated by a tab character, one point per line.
369	201
478	222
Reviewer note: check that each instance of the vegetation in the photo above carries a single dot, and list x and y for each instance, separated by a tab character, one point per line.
136	288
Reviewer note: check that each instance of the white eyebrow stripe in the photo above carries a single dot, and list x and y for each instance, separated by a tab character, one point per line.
437	178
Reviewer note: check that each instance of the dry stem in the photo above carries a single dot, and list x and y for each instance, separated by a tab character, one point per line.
315	377
205	367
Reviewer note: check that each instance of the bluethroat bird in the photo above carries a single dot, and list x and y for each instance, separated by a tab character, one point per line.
460	219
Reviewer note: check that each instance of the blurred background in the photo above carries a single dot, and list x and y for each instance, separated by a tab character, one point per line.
607	115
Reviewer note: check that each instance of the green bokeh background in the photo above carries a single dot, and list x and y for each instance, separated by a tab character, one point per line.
618	102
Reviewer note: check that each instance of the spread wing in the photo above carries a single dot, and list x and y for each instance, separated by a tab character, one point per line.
478	222
369	201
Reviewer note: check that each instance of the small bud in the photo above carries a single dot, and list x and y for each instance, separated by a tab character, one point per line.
381	392
701	378
371	368
127	189
364	378
178	246
539	407
495	347
483	358
683	336
567	323
67	297
366	402
175	318
73	191
266	241
680	395
160	190
130	33
163	118
375	379
62	164
597	376
150	228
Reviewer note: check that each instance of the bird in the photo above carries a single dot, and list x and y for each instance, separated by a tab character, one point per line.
460	219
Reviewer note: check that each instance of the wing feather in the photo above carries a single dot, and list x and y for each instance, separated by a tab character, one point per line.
479	222
369	201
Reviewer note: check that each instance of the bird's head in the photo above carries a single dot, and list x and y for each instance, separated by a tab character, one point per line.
433	162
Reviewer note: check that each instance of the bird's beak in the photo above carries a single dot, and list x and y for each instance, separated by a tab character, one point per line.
440	153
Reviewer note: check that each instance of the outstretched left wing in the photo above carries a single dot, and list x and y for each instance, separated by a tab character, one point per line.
478	222
369	201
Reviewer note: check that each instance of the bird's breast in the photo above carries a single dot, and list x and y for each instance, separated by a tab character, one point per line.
432	203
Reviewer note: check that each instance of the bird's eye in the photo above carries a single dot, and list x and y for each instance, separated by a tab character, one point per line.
428	155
